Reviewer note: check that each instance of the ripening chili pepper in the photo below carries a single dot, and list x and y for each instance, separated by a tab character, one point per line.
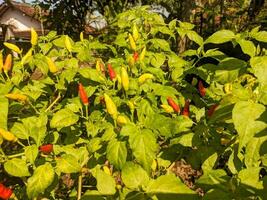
111	72
17	97
100	66
201	88
8	135
5	192
167	108
132	42
175	106
186	108
212	109
83	95
124	79
142	55
46	148
131	61
111	107
135	56
8	62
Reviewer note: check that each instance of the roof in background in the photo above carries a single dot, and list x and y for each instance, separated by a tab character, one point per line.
26	8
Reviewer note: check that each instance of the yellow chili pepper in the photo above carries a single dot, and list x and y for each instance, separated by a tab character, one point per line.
135	32
167	108
124	79
107	170
1	61
34	37
228	88
122	120
8	63
17	97
131	105
1	139
132	42
51	65
8	135
145	77
68	43
12	47
154	165
142	55
81	36
111	107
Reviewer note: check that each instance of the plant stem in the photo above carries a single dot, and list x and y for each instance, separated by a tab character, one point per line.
80	178
53	103
16	155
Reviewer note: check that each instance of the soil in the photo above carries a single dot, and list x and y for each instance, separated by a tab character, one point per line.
188	175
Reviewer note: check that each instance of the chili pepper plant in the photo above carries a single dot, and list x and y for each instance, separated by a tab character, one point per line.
108	117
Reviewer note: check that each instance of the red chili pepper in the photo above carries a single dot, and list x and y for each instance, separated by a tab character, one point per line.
201	88
186	108
5	192
135	56
112	73
175	107
83	94
46	148
212	109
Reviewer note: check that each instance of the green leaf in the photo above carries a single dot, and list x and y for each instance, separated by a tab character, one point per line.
259	66
144	147
158	59
168	184
160	44
117	153
31	153
248	112
42	177
186	25
63	118
261	36
3	112
68	164
185	140
105	183
20	131
247	47
220	37
209	163
251	177
134	176
252	154
213	179
92	74
228	70
217	194
164	125
192	35
36	128
17	167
